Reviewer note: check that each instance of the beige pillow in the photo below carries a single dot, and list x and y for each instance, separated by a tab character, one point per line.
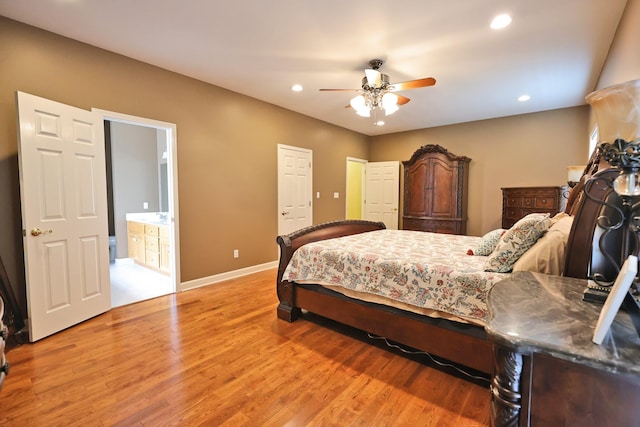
557	217
548	254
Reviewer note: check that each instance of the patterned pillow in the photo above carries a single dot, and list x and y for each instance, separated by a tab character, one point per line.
516	241
489	242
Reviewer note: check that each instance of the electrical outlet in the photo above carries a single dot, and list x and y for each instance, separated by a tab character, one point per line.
236	253
145	205
336	195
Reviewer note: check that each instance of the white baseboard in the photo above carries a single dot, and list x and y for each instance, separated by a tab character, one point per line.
216	278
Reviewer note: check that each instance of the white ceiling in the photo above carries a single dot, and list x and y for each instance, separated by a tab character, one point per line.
553	51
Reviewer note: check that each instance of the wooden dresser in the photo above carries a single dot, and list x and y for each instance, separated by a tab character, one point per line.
435	191
518	202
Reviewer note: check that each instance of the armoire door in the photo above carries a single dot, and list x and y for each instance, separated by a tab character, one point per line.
441	202
418	189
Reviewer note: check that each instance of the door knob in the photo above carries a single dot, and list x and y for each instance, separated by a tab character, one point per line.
36	231
283	213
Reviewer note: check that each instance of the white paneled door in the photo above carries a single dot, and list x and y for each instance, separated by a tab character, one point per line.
382	183
64	214
295	189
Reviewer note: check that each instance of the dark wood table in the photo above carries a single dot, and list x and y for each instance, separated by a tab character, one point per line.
547	371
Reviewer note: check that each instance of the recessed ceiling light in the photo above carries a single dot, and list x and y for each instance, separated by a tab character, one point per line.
296	88
500	21
523	98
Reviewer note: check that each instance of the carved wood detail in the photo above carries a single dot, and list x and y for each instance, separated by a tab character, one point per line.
435	148
506	390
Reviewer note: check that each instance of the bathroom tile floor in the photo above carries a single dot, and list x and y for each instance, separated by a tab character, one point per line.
132	283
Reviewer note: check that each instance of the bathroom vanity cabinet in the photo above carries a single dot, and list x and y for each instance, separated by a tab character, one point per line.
149	244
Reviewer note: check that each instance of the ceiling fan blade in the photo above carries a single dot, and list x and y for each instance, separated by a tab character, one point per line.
338	90
413	84
402	99
374	77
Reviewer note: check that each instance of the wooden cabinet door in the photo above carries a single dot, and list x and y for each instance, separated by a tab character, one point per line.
136	242
165	254
132	245
444	185
418	189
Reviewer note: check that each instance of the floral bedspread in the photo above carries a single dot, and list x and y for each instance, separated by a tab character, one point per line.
427	270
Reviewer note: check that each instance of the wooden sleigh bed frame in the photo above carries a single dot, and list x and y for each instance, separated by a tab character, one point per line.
458	342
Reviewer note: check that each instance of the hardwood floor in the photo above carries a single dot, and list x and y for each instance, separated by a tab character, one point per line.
219	356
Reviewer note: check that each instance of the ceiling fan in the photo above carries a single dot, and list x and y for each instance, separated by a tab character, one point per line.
376	92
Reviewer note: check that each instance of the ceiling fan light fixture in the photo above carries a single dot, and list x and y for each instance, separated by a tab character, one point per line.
390	110
373	77
390	103
364	112
375	94
359	103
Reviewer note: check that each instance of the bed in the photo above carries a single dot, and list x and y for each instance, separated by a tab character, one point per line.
451	325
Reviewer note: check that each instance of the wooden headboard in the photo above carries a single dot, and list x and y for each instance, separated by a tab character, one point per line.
594	164
582	256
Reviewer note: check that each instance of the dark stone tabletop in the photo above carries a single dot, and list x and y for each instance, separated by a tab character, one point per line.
539	313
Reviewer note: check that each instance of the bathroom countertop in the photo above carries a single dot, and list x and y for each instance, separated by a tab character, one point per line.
154	218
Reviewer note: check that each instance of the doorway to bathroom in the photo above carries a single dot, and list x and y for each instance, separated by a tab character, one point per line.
142	204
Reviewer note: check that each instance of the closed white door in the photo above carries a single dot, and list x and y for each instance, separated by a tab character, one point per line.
64	214
295	189
382	183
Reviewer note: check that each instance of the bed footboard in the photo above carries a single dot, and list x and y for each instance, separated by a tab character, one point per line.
287	309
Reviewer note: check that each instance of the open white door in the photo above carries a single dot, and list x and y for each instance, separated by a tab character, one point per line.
382	184
64	214
294	188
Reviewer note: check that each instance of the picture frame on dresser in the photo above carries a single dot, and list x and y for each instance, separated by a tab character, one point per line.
614	300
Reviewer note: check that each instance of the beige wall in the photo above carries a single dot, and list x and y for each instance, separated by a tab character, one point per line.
227	147
525	150
623	61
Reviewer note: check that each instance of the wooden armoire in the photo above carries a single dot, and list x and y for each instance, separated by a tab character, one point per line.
435	191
